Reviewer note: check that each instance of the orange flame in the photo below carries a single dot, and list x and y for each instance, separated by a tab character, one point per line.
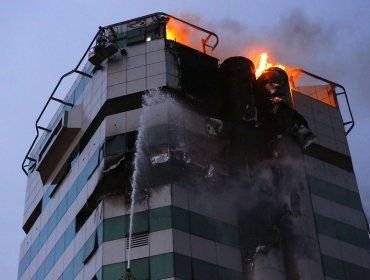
263	65
175	32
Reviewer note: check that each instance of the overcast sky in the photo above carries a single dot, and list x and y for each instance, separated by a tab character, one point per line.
41	40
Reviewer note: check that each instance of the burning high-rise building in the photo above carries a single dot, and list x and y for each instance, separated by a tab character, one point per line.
162	161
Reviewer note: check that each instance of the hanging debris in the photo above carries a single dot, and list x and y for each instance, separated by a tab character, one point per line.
159	154
275	109
214	126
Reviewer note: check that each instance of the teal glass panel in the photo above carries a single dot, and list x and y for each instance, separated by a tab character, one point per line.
99	233
89	248
114	228
182	266
341	270
59	248
113	271
203	270
72	194
99	274
334	193
43	235
53	221
228	274
68	272
342	231
160	219
202	226
140	268
69	234
227	234
161	266
49	262
78	262
40	273
34	248
180	219
62	208
136	36
140	224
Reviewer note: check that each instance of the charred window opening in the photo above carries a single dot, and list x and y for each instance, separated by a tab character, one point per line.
85	212
198	78
33	217
118	152
119	148
119	144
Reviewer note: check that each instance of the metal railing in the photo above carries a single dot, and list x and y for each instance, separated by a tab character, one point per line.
52	98
75	70
351	122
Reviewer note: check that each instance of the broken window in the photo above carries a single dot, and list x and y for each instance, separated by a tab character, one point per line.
85	213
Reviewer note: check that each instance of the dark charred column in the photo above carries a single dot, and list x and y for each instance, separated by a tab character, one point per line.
237	86
275	112
276	115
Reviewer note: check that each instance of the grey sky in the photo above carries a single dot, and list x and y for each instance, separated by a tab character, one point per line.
41	40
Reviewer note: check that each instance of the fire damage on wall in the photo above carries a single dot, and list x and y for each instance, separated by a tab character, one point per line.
224	130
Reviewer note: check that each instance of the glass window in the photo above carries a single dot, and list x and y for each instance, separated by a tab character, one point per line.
62	208
334	193
160	218
202	226
180	219
34	248
49	261
182	266
78	262
99	274
140	269
69	234
228	274
342	231
114	271
99	233
72	194
114	228
204	271
90	247
68	272
154	31
59	247
161	266
115	145
140	224
53	221
136	36
40	275
43	235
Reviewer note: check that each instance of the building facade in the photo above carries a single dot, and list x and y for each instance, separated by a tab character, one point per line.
204	182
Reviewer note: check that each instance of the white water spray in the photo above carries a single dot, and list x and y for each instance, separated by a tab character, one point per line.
153	96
